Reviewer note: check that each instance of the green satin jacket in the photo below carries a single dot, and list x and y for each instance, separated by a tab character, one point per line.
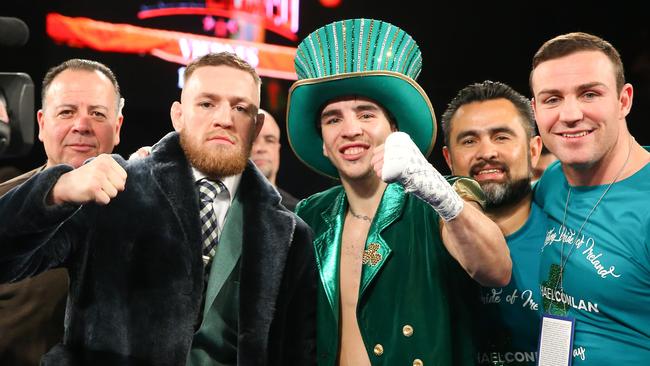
415	301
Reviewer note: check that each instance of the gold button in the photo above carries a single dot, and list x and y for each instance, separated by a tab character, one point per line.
407	330
379	350
418	362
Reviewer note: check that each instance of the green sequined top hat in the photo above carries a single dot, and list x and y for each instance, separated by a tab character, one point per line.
357	57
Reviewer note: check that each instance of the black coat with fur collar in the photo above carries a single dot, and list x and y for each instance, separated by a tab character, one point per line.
136	273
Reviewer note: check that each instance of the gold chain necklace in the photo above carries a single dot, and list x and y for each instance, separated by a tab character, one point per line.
563	261
360	217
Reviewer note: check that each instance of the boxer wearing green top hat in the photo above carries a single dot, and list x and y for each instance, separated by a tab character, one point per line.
396	244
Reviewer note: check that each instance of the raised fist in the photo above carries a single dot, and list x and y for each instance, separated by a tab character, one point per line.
97	181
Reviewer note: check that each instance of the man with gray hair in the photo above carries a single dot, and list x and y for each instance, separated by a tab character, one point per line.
80	118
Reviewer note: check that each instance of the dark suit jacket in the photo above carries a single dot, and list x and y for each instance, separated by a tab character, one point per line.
136	272
32	310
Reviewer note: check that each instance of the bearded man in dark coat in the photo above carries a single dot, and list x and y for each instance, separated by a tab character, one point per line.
160	275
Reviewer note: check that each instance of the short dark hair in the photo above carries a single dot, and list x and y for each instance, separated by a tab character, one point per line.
567	44
219	59
484	91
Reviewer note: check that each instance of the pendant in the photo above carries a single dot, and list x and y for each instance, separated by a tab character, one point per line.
371	256
552	292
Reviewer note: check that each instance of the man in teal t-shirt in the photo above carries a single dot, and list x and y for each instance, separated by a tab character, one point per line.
595	266
489	133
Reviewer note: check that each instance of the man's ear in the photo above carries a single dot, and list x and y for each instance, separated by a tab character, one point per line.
41	122
447	155
118	128
259	122
260	117
176	114
535	150
625	99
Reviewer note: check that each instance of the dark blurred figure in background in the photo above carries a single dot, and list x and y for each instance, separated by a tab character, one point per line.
266	156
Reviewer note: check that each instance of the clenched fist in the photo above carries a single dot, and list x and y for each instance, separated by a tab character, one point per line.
400	160
97	181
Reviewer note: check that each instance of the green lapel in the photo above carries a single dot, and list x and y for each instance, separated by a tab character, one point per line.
377	250
227	254
328	250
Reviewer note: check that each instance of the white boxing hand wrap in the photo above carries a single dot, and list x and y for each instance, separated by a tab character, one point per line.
404	163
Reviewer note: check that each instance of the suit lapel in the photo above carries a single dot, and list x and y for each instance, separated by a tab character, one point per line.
377	249
327	250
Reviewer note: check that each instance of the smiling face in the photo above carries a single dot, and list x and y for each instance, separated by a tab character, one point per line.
579	111
79	119
488	142
351	129
217	119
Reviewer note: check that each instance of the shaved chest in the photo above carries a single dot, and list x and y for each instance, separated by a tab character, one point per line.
352	351
353	243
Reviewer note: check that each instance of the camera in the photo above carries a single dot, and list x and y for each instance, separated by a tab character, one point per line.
16	96
16	136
